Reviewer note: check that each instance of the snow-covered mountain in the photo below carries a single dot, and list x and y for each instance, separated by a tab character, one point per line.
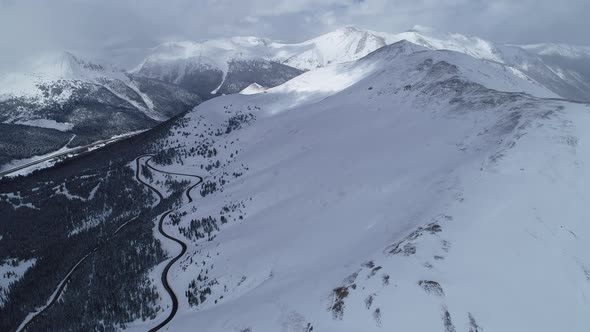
571	63
360	181
89	102
409	190
224	66
253	89
220	66
203	66
343	45
571	82
56	78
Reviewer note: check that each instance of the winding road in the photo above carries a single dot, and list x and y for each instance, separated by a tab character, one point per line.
183	246
62	284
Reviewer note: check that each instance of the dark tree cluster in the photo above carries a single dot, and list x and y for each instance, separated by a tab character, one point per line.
165	157
199	289
204	149
20	142
110	288
235	122
200	228
177	217
208	187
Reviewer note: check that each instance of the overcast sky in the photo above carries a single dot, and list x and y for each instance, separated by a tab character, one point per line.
116	27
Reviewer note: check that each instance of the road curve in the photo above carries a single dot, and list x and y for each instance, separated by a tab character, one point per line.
183	246
188	191
62	285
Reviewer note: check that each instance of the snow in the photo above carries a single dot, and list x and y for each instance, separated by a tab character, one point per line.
421	186
64	66
428	37
342	45
9	197
318	84
253	88
45	123
349	44
38	310
90	221
214	53
63	190
11	271
53	67
348	162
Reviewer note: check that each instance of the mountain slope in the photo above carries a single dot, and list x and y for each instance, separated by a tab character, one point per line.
411	189
214	67
570	63
569	79
202	66
90	101
357	197
342	45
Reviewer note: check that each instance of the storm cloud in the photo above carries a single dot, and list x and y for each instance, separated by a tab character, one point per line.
121	30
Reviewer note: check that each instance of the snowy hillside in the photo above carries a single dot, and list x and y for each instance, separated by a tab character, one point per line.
219	66
357	181
203	66
253	89
570	63
82	102
356	197
343	45
71	74
570	83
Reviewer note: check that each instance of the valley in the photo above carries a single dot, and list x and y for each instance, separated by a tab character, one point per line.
356	181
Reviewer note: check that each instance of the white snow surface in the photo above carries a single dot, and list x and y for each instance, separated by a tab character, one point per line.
253	88
345	45
417	183
53	67
12	270
339	46
65	66
46	123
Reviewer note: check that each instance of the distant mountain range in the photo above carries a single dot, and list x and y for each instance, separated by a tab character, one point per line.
63	92
359	181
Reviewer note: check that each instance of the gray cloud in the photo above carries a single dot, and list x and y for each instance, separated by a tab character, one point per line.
114	29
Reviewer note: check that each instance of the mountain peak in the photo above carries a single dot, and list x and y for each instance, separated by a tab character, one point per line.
391	51
65	65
